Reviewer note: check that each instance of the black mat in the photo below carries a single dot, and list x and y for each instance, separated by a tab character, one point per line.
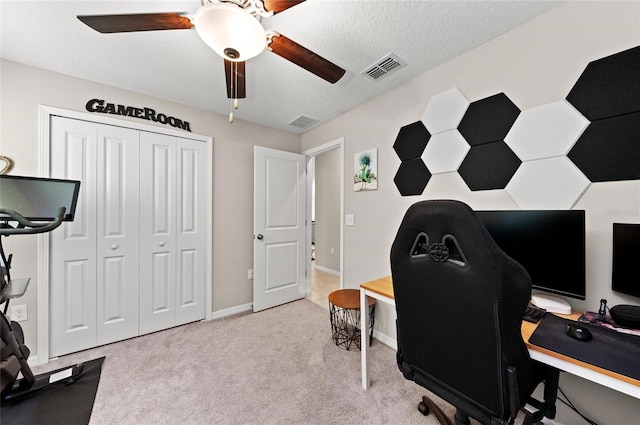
57	403
608	349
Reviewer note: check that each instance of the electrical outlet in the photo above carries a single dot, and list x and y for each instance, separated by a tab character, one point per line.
19	313
349	220
332	251
250	274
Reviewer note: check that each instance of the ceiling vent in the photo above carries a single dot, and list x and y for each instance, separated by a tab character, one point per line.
303	122
383	67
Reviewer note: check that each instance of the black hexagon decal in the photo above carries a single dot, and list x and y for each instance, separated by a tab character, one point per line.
609	149
411	141
489	166
412	177
488	120
609	87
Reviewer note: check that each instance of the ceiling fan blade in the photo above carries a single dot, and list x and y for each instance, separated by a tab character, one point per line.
235	73
107	24
277	6
303	57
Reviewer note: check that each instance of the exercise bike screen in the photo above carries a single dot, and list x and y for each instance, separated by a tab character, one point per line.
38	199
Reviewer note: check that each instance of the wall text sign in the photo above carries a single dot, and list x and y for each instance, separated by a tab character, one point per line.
100	106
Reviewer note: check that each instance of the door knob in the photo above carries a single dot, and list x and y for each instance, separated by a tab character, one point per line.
114	246
161	243
260	236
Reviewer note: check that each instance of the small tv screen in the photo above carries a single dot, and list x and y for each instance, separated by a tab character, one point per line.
37	198
625	277
549	244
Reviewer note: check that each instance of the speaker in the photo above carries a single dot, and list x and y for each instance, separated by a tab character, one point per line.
626	315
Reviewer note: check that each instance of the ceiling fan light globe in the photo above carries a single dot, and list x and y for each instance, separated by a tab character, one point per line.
230	31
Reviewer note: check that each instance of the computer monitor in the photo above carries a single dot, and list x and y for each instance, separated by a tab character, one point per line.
37	198
625	276
549	244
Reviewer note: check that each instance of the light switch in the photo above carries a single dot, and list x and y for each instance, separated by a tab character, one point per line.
348	220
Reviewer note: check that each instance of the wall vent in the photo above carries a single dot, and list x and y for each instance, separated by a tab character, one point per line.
383	67
303	122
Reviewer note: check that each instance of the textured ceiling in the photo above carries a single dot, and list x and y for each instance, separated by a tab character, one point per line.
178	66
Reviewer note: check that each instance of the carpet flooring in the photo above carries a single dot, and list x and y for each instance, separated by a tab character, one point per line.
277	366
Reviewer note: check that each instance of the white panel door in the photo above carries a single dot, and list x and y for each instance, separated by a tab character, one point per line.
157	232
117	233
73	245
191	230
279	247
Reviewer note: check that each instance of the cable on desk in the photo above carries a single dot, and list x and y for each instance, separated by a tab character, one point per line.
574	408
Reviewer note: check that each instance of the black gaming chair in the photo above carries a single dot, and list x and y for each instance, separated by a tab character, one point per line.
460	302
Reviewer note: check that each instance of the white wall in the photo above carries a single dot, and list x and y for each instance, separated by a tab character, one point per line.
25	87
327	176
535	64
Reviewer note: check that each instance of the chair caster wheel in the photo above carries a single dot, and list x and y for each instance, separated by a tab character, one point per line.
423	408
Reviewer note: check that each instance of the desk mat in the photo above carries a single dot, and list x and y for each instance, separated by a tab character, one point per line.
608	349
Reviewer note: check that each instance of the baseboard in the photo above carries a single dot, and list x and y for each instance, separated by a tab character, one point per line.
326	270
385	339
33	361
231	311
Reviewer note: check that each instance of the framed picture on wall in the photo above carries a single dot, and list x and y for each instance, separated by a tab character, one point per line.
365	170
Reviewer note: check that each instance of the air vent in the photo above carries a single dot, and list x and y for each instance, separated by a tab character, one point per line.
303	122
385	66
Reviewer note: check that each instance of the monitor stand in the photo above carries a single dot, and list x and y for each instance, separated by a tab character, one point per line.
551	304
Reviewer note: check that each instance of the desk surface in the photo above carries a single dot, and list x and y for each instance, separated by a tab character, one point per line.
383	287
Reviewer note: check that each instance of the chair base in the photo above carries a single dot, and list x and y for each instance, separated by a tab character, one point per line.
427	406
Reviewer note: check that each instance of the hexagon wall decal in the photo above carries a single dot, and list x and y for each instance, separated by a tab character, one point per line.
445	110
609	149
488	120
489	166
546	131
411	141
609	87
552	183
445	151
412	177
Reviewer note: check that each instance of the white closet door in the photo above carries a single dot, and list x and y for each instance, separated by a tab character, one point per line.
157	232
191	230
73	245
117	233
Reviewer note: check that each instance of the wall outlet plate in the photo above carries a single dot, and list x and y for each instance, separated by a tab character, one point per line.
19	313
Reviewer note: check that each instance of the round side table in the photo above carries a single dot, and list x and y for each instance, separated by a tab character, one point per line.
344	312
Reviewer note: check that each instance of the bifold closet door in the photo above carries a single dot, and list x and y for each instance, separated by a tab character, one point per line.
191	230
172	231
94	259
117	242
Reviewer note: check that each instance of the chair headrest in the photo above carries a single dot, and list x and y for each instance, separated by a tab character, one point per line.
445	231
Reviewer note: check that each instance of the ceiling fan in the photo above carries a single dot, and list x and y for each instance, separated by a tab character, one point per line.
233	30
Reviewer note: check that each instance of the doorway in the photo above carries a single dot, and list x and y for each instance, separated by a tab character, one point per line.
325	193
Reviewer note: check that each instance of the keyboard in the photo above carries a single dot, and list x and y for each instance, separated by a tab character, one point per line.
533	313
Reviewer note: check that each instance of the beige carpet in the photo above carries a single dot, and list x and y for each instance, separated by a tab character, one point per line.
278	366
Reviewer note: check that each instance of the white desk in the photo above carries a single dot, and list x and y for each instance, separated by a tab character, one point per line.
382	289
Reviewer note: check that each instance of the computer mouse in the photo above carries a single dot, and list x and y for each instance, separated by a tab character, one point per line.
578	332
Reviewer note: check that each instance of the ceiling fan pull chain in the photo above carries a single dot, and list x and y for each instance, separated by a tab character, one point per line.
231	113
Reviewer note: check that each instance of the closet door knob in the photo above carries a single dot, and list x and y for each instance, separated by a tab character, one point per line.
114	246
260	236
161	243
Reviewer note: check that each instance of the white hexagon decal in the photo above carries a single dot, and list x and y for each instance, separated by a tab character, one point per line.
552	183
546	131
445	152
445	111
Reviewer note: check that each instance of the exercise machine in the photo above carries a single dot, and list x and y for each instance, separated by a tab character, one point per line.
36	199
